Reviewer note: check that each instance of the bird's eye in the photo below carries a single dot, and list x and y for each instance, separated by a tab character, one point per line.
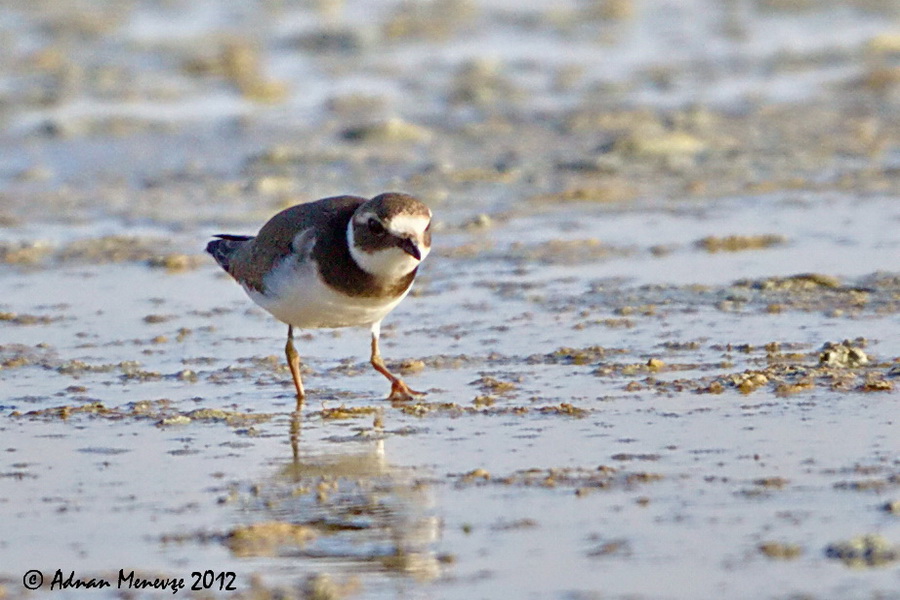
428	227
375	227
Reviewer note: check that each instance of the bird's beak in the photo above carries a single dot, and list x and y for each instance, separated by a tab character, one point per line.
409	246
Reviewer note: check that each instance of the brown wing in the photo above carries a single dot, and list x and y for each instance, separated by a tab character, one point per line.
254	258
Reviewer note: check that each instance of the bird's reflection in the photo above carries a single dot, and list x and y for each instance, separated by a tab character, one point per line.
296	421
344	500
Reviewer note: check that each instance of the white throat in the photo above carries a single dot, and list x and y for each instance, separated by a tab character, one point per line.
390	263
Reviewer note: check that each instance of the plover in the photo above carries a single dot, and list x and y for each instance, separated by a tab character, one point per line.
337	262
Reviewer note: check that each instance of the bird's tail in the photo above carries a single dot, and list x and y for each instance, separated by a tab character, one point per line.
223	248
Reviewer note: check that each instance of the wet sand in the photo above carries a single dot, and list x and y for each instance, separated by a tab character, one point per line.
658	329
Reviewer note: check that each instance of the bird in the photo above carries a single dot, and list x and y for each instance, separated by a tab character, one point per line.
342	261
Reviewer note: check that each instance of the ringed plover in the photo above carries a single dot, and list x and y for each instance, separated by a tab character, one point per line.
337	262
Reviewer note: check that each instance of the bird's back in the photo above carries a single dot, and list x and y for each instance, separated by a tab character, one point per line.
248	258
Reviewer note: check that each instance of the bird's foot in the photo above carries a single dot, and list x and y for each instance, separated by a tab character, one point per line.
400	392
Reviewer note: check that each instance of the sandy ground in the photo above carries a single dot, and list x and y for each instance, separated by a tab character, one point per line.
659	328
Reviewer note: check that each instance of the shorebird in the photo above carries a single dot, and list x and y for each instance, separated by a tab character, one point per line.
337	262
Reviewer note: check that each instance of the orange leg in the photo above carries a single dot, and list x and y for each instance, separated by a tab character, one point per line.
293	360
400	392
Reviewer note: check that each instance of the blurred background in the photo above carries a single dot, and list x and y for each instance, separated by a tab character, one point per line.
176	111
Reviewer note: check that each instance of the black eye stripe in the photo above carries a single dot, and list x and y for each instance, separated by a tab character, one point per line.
375	227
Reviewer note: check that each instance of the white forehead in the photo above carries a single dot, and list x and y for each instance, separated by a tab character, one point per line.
409	225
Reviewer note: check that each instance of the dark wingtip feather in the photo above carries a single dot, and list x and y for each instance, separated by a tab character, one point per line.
233	238
224	247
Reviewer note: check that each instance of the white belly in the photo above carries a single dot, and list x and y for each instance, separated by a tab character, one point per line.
297	296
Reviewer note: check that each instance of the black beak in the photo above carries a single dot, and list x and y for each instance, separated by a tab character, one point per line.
409	246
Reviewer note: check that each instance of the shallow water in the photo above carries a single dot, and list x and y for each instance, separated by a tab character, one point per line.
623	401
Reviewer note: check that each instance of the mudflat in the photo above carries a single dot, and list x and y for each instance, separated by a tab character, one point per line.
658	328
